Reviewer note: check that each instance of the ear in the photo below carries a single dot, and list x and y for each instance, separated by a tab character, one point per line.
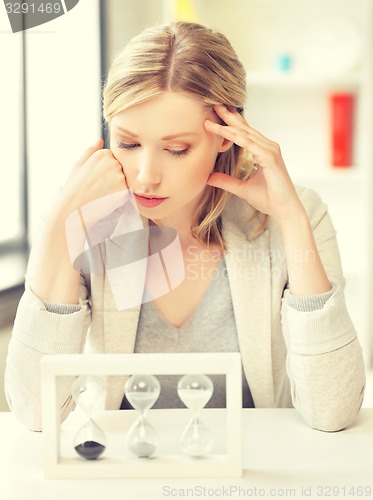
225	145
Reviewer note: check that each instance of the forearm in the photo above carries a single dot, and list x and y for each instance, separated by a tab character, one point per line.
328	388
306	272
325	364
54	278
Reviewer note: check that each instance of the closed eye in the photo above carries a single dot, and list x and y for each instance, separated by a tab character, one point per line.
173	152
178	152
128	145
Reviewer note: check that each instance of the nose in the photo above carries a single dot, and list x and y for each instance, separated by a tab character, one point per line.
148	173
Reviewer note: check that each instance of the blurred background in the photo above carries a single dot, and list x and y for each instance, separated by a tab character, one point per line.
310	85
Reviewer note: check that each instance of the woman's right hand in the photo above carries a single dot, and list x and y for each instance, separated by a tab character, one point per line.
95	187
96	177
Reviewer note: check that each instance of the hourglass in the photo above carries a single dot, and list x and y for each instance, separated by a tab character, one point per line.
195	391
142	392
90	440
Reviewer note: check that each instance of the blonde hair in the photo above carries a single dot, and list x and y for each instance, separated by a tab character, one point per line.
194	60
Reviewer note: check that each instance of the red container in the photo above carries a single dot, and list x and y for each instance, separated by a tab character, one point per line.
342	114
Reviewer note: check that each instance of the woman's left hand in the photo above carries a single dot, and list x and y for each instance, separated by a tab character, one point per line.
270	189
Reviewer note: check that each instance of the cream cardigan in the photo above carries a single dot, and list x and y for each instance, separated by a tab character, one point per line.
309	359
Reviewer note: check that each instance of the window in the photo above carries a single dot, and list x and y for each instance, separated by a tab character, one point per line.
49	75
13	221
12	174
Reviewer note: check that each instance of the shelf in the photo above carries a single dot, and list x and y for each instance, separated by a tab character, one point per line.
293	79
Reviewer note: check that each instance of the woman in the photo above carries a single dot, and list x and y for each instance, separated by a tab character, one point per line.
261	269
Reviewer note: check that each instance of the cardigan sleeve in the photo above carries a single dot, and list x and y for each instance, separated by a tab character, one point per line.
325	361
38	332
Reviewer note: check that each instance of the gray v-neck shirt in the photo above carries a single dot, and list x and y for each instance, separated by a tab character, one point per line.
210	328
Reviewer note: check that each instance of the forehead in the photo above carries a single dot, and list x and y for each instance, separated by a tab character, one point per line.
163	113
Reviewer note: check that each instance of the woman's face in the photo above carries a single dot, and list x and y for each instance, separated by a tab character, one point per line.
166	153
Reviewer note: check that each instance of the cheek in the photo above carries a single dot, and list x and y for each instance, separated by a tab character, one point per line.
128	167
128	170
130	176
201	168
194	181
206	164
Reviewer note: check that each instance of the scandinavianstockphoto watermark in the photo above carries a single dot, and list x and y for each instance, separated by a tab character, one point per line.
247	262
237	491
250	253
107	235
27	14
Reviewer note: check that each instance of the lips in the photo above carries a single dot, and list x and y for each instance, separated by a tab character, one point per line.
149	201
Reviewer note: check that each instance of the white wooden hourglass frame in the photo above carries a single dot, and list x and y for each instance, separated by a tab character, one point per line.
227	462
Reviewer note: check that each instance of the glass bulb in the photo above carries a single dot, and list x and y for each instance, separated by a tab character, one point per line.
195	392
90	440
142	391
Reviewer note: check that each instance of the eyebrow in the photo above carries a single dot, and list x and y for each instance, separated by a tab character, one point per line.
165	138
131	134
180	134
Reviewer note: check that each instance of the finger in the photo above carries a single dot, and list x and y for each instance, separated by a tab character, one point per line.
261	137
89	152
240	137
228	183
226	131
231	116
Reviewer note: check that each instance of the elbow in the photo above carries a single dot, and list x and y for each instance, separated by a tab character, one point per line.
330	425
27	414
31	417
335	419
25	401
29	420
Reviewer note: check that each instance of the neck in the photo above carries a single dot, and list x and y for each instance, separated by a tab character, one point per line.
183	230
180	221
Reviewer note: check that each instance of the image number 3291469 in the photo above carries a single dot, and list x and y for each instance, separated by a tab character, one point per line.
26	15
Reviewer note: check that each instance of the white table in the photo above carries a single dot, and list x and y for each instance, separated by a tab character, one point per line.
283	458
